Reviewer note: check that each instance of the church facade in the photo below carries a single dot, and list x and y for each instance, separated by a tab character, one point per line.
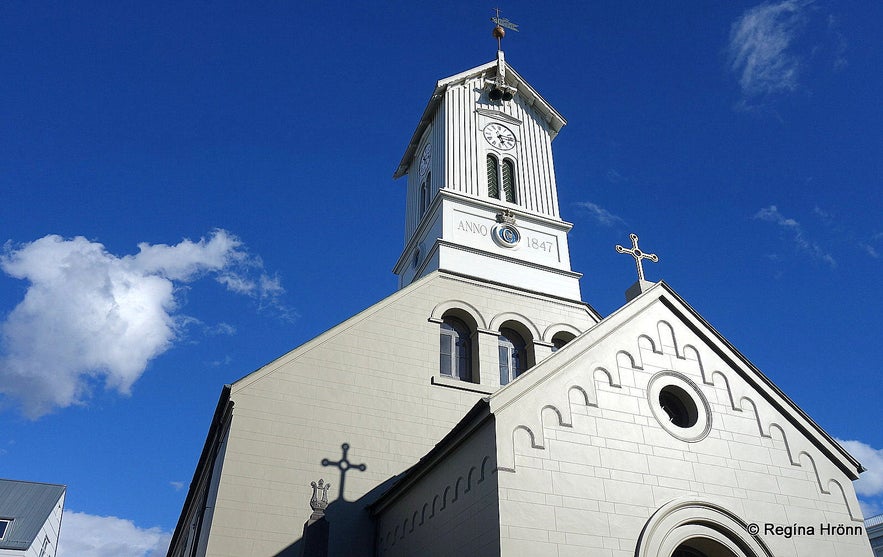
485	409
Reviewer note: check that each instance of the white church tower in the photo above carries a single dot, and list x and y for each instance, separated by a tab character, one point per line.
484	409
481	194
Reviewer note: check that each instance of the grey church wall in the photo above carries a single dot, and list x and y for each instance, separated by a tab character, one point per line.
367	382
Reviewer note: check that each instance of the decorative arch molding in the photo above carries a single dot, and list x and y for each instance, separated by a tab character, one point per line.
726	381
692	517
691	354
500	319
446	497
458	306
667	338
625	359
647	343
824	472
533	440
799	452
563	421
553	330
791	458
756	412
561	409
815	470
850	505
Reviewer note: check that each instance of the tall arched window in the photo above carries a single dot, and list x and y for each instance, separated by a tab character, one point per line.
455	349
501	179
425	194
513	355
508	179
493	177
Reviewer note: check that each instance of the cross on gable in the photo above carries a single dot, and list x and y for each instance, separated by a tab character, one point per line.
638	255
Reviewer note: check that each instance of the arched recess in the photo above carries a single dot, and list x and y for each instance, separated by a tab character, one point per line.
694	523
692	354
461	310
558	329
850	500
667	338
521	342
458	347
756	411
647	343
518	322
726	381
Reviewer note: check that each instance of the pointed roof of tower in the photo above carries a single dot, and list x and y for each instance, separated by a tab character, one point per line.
489	70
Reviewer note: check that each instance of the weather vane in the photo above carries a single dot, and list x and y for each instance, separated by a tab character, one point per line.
499	32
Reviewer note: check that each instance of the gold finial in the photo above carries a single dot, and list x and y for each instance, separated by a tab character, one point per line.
499	32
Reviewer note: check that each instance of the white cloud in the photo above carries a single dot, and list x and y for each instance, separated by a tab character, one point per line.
601	215
792	227
870	483
86	535
89	315
759	47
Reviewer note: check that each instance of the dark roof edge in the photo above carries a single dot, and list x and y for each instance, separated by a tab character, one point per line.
206	459
772	386
477	415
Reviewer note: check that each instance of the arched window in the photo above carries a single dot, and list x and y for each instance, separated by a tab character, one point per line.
455	350
513	355
501	179
560	339
508	179
425	194
493	177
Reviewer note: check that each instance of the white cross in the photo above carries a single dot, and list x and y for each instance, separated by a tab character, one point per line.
638	255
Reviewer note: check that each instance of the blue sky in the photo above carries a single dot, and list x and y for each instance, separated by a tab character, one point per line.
190	190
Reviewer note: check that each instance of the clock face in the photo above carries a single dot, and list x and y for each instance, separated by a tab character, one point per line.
425	159
499	136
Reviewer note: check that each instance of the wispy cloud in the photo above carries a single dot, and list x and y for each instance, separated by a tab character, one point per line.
615	177
89	315
86	535
601	215
793	228
870	247
760	48
869	486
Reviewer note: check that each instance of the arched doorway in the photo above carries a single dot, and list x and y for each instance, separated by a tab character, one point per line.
692	527
702	547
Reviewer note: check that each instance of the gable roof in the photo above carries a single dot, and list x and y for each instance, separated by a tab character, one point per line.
662	292
28	504
523	88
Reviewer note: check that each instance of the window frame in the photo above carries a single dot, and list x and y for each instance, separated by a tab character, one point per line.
512	355
425	196
498	168
7	522
458	336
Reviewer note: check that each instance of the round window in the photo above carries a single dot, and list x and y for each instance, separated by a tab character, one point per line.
679	406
